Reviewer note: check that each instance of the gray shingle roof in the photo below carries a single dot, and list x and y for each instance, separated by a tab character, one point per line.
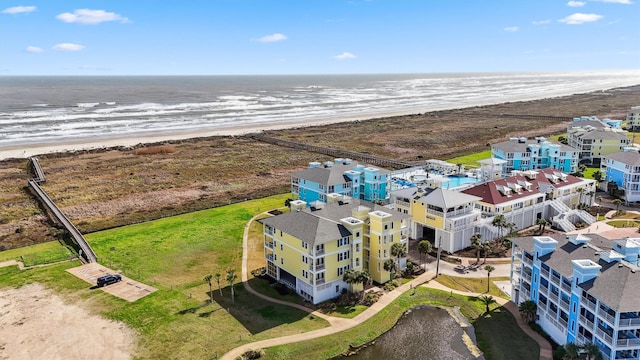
616	286
513	146
322	225
627	157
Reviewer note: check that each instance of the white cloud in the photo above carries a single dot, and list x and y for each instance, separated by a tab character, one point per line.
272	38
511	29
576	3
626	2
19	9
33	49
88	16
580	18
541	22
68	47
345	55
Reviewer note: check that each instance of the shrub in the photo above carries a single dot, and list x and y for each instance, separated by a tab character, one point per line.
153	150
251	355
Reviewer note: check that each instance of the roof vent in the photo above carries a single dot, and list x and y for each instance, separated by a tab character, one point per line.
633	271
620	265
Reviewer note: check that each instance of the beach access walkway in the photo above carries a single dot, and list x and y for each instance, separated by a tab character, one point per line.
341	324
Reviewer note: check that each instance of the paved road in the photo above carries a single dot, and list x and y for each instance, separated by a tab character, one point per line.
340	324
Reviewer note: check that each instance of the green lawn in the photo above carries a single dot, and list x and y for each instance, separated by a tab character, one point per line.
45	251
174	254
519	346
476	285
471	160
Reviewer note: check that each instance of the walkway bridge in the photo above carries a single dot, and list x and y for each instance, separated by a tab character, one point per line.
84	250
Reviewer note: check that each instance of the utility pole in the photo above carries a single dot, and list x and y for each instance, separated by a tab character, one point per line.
438	257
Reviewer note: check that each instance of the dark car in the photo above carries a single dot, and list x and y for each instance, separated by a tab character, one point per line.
109	279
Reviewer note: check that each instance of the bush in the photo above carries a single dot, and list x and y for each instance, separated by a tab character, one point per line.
251	355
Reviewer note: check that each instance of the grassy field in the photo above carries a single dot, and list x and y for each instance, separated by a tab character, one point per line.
476	285
471	161
174	254
519	346
47	250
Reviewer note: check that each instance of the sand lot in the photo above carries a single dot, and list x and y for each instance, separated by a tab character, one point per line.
37	324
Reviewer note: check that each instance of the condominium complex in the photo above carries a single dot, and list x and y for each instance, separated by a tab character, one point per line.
309	249
586	287
539	153
633	119
595	138
341	176
622	170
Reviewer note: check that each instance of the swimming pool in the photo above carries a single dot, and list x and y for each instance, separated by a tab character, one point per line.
451	182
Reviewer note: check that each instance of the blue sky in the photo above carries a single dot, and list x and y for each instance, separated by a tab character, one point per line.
189	37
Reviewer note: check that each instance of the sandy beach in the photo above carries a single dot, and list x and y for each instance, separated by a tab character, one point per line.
29	150
37	324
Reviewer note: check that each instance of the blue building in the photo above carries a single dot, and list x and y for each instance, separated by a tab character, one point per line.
533	154
586	287
623	169
342	176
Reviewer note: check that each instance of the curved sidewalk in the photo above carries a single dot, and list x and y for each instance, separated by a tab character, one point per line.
340	324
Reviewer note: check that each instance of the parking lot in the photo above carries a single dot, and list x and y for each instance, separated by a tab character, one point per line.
126	289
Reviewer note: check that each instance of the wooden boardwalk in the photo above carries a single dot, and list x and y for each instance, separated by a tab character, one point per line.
85	251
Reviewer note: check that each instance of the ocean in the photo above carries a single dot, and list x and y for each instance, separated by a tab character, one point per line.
57	110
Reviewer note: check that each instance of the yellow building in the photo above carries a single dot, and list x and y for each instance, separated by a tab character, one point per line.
309	250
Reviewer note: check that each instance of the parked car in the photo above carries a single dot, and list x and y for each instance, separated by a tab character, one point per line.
109	279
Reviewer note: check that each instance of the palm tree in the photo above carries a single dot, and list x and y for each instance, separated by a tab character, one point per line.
617	203
542	223
207	278
390	266
598	176
591	351
599	198
580	191
218	277
489	269
424	247
591	194
500	222
477	244
528	310
399	251
231	277
571	352
350	277
487	300
364	278
486	249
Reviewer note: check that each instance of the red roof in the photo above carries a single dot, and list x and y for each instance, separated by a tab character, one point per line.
491	193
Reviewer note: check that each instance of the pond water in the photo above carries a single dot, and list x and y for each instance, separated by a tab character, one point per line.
424	332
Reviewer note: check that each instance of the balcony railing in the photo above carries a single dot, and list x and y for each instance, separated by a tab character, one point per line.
604	336
269	244
527	261
554	297
545	273
627	343
564	305
270	257
319	282
634	322
606	316
588	324
527	277
566	287
555	280
588	304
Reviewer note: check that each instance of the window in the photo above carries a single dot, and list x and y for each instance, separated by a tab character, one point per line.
281	247
357	247
344	241
281	261
305	245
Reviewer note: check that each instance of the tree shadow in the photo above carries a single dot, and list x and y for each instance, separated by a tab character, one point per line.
255	313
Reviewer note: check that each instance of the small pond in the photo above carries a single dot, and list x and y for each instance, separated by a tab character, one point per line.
423	332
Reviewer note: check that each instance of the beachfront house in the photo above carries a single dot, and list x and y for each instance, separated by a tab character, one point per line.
586	288
622	172
595	138
446	218
309	249
530	195
633	119
341	176
533	154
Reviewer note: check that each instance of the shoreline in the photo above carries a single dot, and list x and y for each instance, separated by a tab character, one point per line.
23	151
